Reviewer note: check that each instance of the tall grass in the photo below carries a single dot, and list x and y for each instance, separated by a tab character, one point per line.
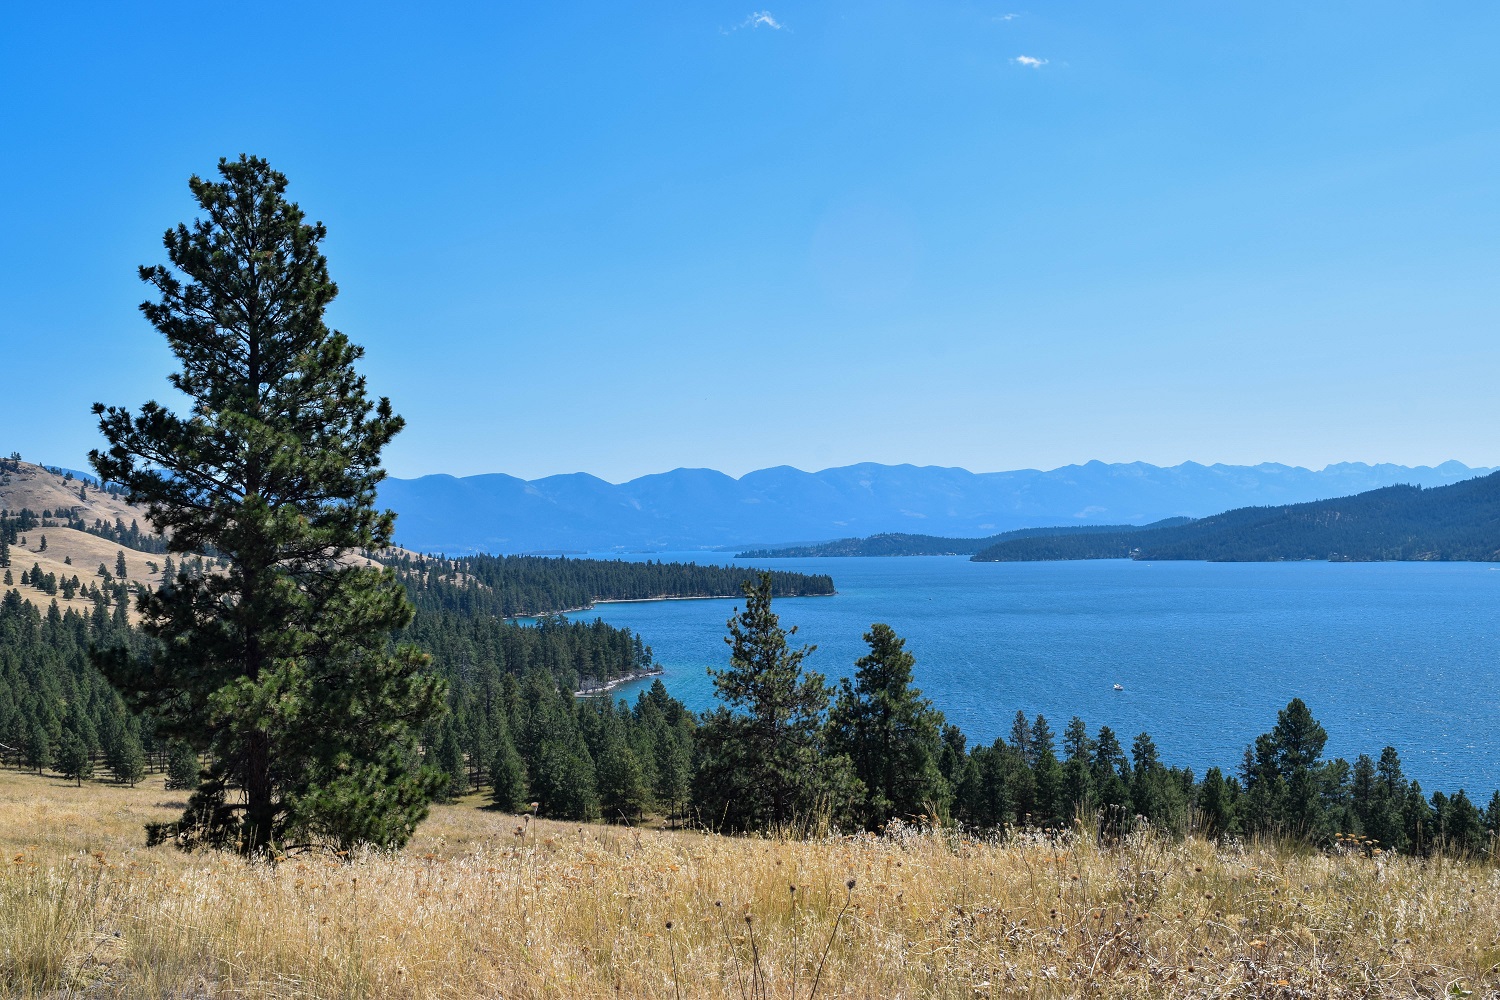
485	905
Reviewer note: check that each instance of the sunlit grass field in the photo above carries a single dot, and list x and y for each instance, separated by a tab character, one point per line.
489	905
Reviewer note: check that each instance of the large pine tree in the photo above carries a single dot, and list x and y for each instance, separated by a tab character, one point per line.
891	734
1287	785
763	762
280	666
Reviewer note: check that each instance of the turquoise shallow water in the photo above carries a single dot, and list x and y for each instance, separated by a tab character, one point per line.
1403	654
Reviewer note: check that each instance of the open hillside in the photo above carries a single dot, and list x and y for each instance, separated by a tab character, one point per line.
1396	523
78	528
488	904
23	484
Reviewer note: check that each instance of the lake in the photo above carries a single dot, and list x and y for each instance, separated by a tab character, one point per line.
1402	654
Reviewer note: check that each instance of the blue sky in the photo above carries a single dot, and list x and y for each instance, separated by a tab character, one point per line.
624	238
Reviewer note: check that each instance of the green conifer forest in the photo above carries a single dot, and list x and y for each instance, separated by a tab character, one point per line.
787	751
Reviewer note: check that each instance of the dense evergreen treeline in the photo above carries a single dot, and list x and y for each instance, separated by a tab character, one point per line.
528	740
514	725
1284	788
520	586
511	692
785	750
788	750
1456	522
510	689
786	745
57	711
575	654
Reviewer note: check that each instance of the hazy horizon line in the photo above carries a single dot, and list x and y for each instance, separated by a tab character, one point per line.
953	468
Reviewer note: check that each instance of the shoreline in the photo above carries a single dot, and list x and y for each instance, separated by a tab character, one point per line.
692	597
608	686
653	600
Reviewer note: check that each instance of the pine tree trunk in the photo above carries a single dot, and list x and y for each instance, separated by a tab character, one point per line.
259	811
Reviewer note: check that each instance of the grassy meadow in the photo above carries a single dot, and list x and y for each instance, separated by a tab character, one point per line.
484	904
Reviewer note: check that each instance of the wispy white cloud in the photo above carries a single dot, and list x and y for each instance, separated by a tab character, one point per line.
1030	62
1006	17
759	19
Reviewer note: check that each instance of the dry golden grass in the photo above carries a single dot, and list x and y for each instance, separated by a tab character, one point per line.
490	905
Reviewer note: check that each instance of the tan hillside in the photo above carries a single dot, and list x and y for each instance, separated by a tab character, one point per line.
70	552
36	488
86	552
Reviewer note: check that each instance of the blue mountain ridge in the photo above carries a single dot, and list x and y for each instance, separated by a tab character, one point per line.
702	508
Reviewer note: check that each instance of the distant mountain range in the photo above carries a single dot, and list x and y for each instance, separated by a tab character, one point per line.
702	509
1395	523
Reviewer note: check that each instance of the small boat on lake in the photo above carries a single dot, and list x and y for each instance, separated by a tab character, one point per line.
1119	687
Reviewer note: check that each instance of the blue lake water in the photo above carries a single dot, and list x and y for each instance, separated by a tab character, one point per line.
1403	654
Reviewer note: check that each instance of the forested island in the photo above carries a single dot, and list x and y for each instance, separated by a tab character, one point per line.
1460	522
1457	522
900	544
